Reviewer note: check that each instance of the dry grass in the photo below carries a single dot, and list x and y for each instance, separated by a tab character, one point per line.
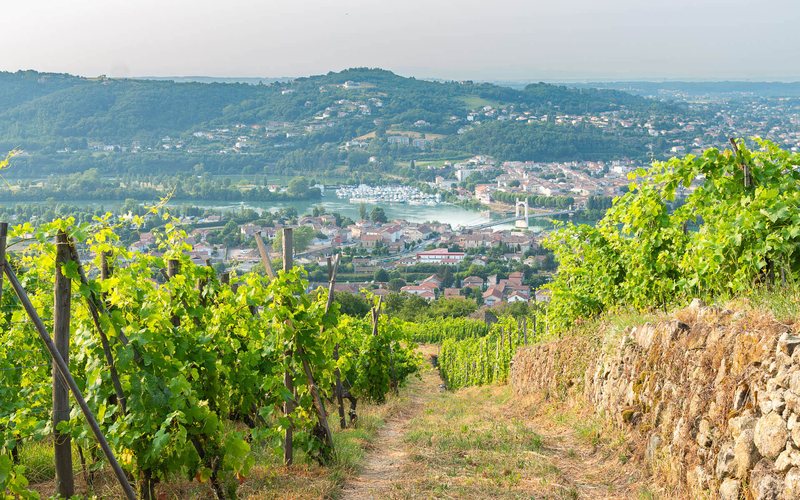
481	443
267	479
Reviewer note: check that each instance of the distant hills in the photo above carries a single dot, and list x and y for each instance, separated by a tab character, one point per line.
37	108
45	112
722	88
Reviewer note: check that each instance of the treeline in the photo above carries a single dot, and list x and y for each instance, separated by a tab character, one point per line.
89	185
539	141
43	113
539	201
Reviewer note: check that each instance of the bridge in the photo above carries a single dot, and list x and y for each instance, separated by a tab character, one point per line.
518	217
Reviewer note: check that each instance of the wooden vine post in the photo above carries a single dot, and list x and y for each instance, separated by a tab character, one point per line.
62	443
97	308
332	269
525	330
3	238
262	249
288	383
173	268
63	369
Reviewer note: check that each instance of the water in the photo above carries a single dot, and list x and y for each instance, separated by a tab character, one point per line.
444	212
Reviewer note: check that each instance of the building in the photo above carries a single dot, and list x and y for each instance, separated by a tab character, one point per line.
472	282
421	291
440	256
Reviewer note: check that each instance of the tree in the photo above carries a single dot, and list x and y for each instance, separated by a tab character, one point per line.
301	236
352	304
378	215
298	186
455	307
381	275
445	273
362	211
395	284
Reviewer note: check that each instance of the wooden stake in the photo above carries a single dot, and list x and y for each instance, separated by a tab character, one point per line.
748	178
62	443
96	308
3	241
105	269
288	376
63	368
173	268
288	249
262	249
525	330
332	270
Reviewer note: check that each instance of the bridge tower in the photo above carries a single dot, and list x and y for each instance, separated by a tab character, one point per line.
522	223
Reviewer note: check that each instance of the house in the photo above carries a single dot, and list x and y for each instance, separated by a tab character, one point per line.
492	296
433	279
515	278
542	295
472	282
421	291
483	192
517	296
452	292
370	240
440	256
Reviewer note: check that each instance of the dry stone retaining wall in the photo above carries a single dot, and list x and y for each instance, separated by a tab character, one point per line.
712	397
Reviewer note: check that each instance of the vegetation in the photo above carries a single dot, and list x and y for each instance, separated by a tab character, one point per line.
437	330
484	359
200	363
97	123
714	225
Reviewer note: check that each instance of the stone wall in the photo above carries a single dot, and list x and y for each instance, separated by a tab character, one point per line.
711	397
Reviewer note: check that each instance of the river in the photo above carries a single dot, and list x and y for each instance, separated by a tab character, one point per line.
444	212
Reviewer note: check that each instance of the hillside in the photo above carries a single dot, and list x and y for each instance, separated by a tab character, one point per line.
192	122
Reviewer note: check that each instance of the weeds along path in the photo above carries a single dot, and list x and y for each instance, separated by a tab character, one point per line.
481	442
389	457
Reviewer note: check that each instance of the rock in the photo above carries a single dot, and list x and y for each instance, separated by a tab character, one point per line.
737	424
729	489
704	437
796	435
792	401
769	402
791	484
745	453
770	435
783	462
791	421
696	304
794	382
726	462
741	396
652	447
644	336
787	343
764	484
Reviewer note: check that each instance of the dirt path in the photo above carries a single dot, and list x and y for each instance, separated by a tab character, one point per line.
481	442
388	459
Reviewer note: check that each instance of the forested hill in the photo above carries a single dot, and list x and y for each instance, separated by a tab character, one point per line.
45	109
69	124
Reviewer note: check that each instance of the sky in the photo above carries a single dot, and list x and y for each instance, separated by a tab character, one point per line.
489	40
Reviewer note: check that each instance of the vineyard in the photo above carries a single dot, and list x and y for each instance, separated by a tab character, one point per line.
434	332
484	359
710	226
177	371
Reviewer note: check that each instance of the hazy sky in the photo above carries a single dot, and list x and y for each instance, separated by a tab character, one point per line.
459	39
